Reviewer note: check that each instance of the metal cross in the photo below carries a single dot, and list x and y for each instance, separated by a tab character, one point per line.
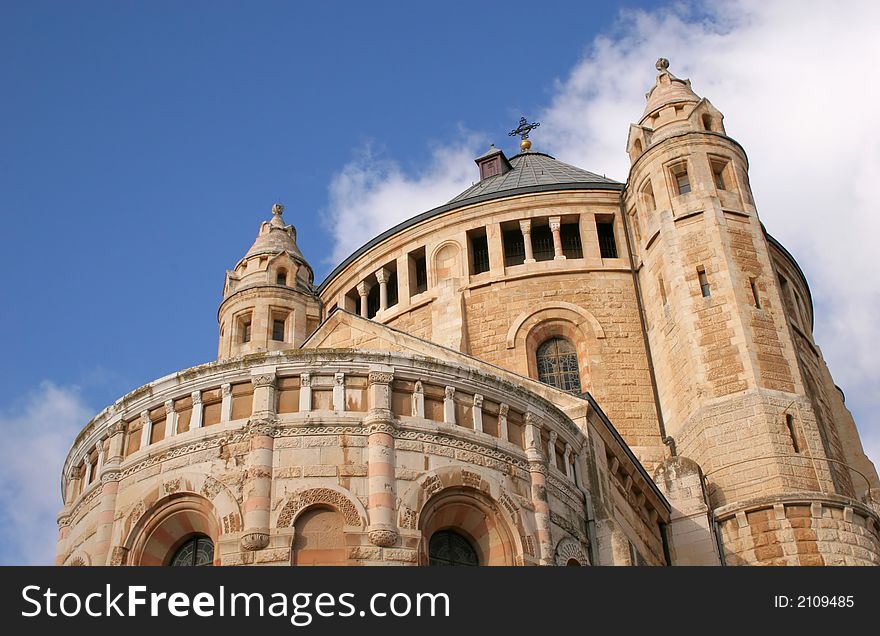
524	128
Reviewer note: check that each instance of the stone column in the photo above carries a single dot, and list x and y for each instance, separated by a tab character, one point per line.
305	392
146	429
418	400
380	426
382	275
196	420
87	477
74	484
99	464
567	458
257	491
339	392
538	477
555	227
526	229
449	405
226	404
170	419
477	412
502	421
363	289
109	489
551	448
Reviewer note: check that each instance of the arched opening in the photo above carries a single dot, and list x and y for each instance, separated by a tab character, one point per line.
462	526
318	538
197	550
163	530
450	548
573	563
281	277
557	364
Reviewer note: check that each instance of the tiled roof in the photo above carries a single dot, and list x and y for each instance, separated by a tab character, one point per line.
532	169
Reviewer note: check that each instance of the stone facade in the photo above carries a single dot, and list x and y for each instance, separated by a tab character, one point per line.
359	421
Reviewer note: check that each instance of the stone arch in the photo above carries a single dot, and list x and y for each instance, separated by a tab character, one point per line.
319	537
455	493
569	312
167	524
568	550
471	513
556	319
446	261
217	498
349	507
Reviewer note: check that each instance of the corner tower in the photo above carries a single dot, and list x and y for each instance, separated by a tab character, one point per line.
731	392
269	300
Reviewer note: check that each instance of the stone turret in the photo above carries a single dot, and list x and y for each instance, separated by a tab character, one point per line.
269	300
730	388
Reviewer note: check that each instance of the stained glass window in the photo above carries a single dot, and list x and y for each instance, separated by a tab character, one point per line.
450	548
199	550
558	365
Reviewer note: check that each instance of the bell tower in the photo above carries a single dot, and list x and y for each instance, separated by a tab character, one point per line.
731	393
269	301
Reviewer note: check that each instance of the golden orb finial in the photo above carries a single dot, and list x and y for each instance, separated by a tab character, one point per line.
523	131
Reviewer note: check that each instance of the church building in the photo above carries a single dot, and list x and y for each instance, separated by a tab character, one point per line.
552	368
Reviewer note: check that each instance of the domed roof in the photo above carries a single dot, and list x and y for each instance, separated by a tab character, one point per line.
276	237
669	89
532	171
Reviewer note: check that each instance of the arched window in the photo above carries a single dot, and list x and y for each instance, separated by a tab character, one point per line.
197	550
450	548
558	365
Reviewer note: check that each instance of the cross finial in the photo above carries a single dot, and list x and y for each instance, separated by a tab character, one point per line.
523	131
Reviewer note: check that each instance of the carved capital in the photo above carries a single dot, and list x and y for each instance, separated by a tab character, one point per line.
339	379
478	400
525	226
145	418
226	389
555	223
532	420
363	289
109	475
419	388
263	380
261	428
382	275
253	541
116	428
196	397
383	537
169	407
305	380
380	377
503	409
449	393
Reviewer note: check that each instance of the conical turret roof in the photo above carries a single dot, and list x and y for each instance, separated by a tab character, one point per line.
668	89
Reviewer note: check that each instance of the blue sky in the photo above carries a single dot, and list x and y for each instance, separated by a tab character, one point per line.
141	143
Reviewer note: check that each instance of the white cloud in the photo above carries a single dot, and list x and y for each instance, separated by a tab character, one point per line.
372	193
37	434
796	81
